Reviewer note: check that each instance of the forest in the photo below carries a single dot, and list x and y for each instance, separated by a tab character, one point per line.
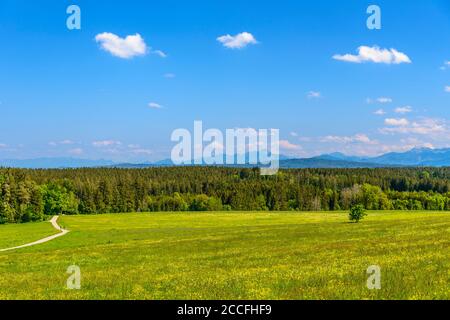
31	195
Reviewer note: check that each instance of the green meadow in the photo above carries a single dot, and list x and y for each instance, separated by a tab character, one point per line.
311	255
12	235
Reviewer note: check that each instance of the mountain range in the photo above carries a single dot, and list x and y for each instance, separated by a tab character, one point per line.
413	157
417	157
48	163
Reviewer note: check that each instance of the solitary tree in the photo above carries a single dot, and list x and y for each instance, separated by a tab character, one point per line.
357	213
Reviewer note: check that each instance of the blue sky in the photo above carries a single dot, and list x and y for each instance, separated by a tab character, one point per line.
298	70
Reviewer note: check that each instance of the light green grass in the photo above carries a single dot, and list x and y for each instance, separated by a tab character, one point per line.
12	235
236	256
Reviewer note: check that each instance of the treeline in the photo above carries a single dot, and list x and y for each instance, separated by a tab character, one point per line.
29	195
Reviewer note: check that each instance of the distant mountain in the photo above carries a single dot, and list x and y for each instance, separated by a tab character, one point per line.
165	162
48	163
285	162
417	157
340	156
414	157
319	162
168	162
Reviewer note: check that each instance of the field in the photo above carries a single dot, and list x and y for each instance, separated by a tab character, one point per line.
12	235
231	256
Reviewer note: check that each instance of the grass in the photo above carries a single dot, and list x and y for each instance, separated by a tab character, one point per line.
12	235
234	256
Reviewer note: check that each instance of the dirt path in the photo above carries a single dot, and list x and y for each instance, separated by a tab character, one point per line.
55	225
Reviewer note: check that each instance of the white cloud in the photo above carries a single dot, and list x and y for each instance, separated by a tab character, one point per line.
446	65
314	95
169	75
155	105
428	145
402	110
375	55
293	134
337	139
426	126
66	142
384	100
285	144
362	138
63	142
447	89
362	145
412	142
76	151
238	41
128	47
380	112
396	122
160	53
380	100
2	145
106	143
420	132
358	138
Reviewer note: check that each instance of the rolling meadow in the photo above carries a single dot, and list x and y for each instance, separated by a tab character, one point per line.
233	255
